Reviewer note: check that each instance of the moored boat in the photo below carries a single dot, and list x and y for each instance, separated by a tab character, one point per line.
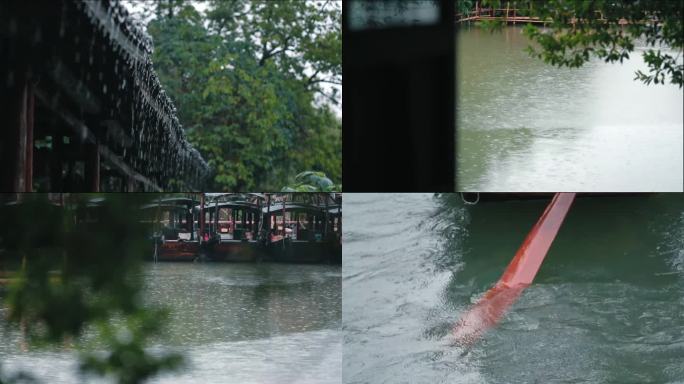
233	224
175	235
248	227
301	228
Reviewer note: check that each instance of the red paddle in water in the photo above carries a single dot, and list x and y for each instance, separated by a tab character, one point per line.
518	275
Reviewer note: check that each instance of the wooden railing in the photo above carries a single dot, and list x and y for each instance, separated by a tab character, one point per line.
511	15
507	15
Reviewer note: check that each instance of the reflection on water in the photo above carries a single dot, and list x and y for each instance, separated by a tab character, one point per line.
241	323
605	307
524	125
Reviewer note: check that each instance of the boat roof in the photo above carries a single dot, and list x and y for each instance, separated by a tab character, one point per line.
171	202
292	206
228	197
217	195
229	204
19	203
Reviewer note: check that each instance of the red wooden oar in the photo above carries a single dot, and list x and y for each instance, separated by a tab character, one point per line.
519	273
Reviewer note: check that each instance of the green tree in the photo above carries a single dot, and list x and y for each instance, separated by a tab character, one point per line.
311	181
464	6
249	80
607	29
579	30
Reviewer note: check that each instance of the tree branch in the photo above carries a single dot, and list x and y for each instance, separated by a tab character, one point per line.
325	81
310	81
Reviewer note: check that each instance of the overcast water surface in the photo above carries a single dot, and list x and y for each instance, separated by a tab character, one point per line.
606	305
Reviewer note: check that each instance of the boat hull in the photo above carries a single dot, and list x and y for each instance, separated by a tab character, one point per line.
178	251
234	251
293	251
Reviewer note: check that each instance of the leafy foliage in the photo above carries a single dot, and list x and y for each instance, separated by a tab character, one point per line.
81	267
311	181
249	80
606	29
464	6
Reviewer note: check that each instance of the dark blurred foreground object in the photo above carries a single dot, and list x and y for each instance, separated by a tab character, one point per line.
81	108
73	272
398	90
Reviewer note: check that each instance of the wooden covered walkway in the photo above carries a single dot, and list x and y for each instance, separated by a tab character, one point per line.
507	15
514	16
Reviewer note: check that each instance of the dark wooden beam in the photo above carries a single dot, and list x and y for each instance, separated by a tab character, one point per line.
86	136
56	158
28	165
13	151
131	174
92	167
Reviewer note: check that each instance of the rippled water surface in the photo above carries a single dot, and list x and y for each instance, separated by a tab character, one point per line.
606	305
235	323
524	125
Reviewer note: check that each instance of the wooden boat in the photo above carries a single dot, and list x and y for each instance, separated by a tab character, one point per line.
175	237
233	224
303	229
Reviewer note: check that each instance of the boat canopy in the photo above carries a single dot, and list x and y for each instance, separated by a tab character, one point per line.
292	207
171	203
229	204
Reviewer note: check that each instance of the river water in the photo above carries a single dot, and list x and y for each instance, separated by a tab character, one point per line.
606	305
234	323
524	125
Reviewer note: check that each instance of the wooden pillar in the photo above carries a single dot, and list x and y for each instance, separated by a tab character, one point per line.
56	183
92	167
130	185
283	217
201	223
268	213
209	224
217	216
30	109
339	220
172	219
514	9
327	218
13	171
214	221
157	219
232	220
